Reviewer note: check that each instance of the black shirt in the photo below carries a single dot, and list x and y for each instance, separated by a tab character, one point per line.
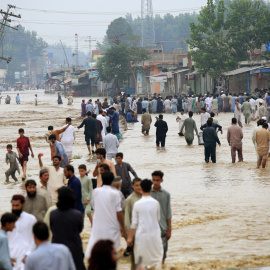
162	128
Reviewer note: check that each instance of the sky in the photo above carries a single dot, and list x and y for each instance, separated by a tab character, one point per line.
62	19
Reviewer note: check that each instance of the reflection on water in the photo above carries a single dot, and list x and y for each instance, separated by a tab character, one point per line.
220	211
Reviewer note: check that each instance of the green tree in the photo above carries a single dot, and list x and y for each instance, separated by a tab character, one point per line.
170	31
211	50
119	32
225	36
121	61
248	27
21	45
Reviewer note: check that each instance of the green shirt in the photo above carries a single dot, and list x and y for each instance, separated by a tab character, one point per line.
132	198
87	188
164	199
36	206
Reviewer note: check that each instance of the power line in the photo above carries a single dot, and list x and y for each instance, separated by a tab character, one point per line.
3	25
107	13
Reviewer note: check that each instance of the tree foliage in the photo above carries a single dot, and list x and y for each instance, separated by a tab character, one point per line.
223	36
119	32
248	27
120	61
170	31
21	45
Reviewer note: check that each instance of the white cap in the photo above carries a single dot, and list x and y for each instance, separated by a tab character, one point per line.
264	118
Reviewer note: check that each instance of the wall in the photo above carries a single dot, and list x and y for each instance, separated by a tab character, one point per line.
238	83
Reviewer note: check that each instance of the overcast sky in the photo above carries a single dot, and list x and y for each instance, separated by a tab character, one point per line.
55	26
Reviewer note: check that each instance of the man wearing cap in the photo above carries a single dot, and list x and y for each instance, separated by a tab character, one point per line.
262	140
258	101
20	240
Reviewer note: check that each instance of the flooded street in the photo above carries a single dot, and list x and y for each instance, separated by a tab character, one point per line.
221	214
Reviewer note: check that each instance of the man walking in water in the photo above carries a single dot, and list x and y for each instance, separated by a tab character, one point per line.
162	129
210	139
190	126
90	130
146	121
234	137
262	140
237	113
247	110
23	146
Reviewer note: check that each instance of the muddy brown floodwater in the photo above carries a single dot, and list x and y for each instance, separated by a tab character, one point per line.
220	211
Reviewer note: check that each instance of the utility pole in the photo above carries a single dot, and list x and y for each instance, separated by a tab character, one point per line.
90	47
147	24
77	50
3	25
64	52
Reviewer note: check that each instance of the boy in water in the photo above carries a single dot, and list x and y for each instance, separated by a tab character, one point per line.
11	158
23	146
87	189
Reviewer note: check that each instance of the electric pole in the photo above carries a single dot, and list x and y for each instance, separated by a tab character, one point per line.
147	24
77	50
64	53
89	40
3	25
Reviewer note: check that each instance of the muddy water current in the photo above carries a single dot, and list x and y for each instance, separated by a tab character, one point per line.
221	216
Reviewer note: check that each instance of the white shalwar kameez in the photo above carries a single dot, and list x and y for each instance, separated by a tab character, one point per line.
148	243
20	240
67	140
258	101
253	106
103	121
204	118
182	117
167	106
208	102
106	202
237	114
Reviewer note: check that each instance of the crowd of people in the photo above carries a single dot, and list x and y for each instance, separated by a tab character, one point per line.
47	222
50	217
43	229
